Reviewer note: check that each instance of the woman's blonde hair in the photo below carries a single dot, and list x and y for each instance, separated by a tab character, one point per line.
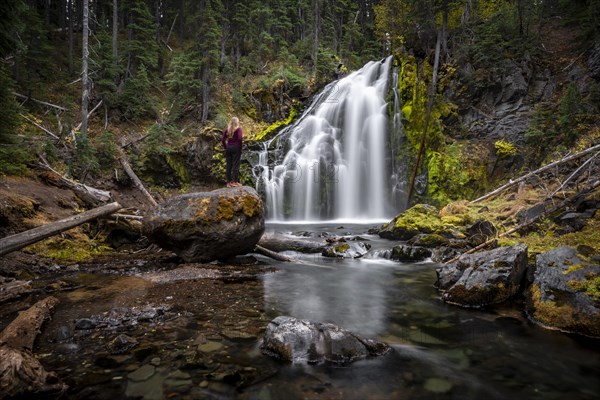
232	127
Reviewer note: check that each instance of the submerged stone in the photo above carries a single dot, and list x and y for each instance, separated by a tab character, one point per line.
295	340
206	226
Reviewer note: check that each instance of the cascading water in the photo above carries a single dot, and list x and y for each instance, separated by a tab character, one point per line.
335	160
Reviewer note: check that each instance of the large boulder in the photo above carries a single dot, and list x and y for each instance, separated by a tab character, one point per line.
206	226
484	278
565	293
343	249
407	253
296	340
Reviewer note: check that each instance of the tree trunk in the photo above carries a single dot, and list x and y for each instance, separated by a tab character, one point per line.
115	33
431	99
70	11
315	47
23	239
136	181
537	171
85	95
271	254
21	374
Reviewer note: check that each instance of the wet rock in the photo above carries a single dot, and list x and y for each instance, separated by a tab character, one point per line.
84	323
573	221
481	231
346	250
408	253
143	373
565	293
295	340
483	278
443	254
238	335
122	344
63	334
206	226
209	347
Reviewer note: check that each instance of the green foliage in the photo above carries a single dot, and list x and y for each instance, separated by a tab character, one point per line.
106	150
560	126
141	45
453	174
276	126
504	148
137	101
162	139
104	70
84	160
13	154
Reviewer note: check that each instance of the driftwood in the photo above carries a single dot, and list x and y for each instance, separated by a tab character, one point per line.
525	224
136	181
20	372
12	288
271	254
20	240
90	195
537	171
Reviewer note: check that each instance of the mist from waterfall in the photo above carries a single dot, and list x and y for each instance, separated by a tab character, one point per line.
334	162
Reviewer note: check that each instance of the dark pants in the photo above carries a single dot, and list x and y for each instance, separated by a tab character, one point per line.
232	156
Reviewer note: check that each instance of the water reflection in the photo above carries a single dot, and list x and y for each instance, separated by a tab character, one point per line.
442	351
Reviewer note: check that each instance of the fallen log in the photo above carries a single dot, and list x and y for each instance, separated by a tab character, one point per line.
525	224
290	244
89	195
136	181
537	171
20	372
11	288
271	254
20	240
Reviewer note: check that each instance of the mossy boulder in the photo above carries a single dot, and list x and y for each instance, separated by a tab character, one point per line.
206	226
565	293
484	278
422	218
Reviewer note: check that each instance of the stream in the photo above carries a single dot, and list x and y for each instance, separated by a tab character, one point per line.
197	331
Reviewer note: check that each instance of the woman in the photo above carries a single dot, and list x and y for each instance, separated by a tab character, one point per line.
232	142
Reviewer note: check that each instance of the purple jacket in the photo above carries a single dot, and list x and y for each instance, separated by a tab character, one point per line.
236	139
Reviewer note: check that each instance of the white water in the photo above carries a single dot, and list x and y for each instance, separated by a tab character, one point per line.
336	165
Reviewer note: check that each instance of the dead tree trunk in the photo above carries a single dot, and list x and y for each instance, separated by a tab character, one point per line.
271	254
537	171
91	196
136	181
11	288
20	372
20	240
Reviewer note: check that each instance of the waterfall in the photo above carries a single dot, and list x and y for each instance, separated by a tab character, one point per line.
335	161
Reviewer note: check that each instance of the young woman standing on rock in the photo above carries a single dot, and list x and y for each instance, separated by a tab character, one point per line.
232	142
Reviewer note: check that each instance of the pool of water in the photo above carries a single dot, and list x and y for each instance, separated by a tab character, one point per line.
439	351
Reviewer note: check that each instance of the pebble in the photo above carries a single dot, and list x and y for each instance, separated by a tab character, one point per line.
143	373
155	361
209	347
85	323
203	384
438	385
